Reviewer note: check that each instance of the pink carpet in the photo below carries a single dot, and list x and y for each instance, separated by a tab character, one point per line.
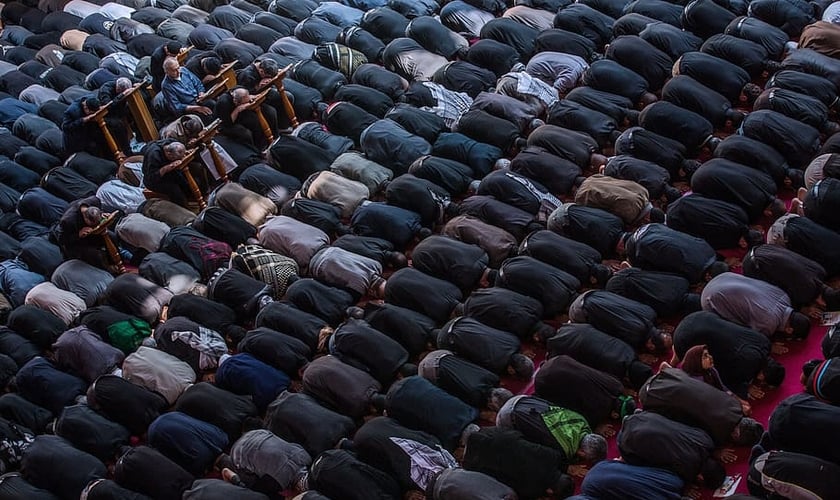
799	353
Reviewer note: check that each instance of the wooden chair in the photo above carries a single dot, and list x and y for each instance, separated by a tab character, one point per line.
101	229
99	118
277	82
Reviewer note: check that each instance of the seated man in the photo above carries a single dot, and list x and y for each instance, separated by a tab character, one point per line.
161	169
80	131
755	304
181	90
75	237
184	129
256	76
159	56
243	123
115	92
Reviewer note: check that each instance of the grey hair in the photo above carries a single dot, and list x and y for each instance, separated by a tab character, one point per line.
238	95
122	84
175	148
594	448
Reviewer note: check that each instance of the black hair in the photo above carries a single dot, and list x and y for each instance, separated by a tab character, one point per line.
809	367
656	215
602	274
211	65
774	373
801	325
718	267
713	473
173	47
751	92
754	238
92	103
749	433
638	373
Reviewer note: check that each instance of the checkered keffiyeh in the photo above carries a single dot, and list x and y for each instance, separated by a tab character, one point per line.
450	105
264	265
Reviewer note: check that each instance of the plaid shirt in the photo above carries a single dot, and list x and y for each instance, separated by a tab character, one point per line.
450	105
526	85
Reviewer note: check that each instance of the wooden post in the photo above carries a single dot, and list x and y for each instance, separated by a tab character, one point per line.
277	81
255	106
205	137
101	229
184	167
140	112
99	117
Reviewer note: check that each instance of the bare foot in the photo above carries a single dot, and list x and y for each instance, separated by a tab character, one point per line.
779	348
